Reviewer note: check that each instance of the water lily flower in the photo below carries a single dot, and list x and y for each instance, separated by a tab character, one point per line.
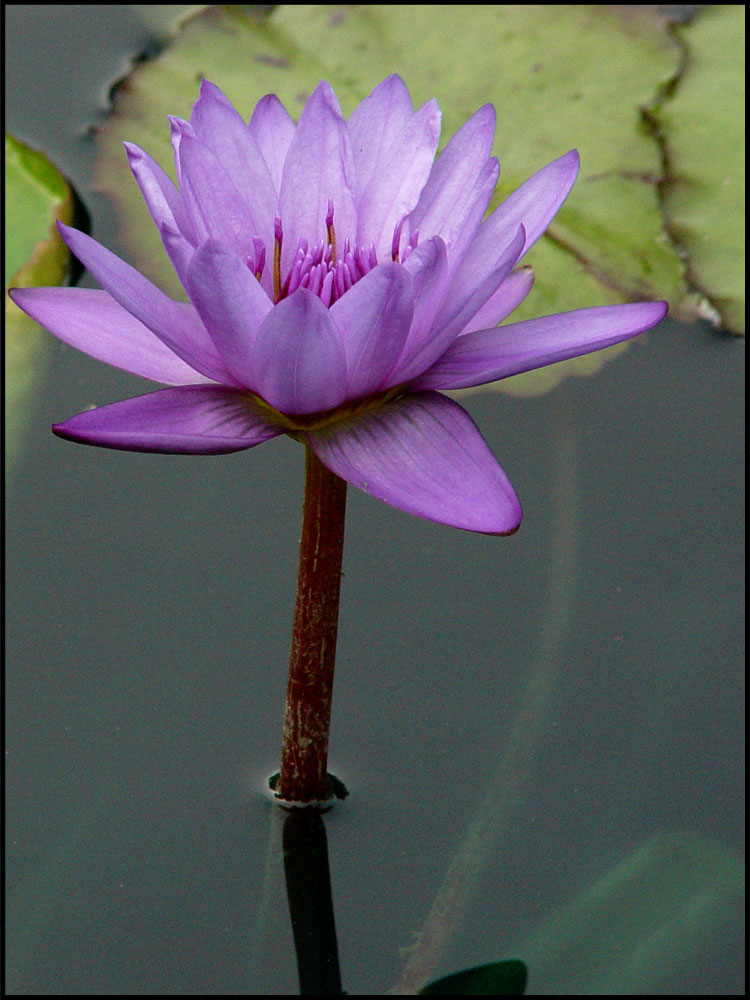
338	277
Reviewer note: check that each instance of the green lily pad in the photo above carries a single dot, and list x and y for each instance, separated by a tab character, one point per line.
703	128
36	196
641	923
564	76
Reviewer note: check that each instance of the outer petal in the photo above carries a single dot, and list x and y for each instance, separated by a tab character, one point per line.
374	319
487	355
423	454
319	167
374	124
91	321
300	364
231	303
176	324
187	420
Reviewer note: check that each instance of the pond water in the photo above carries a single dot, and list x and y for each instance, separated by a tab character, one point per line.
535	727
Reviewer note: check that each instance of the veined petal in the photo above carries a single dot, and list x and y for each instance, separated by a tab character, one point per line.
219	125
231	304
375	123
176	324
446	198
486	355
374	317
318	169
425	455
91	321
299	359
273	131
395	187
186	420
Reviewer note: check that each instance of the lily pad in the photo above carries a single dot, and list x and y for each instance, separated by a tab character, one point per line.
36	196
560	77
702	126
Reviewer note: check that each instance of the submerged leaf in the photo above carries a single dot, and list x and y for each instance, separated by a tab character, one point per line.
499	979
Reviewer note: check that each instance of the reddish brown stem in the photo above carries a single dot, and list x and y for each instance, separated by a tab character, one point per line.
307	717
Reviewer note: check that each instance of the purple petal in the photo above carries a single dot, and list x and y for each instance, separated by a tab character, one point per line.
299	359
533	205
176	324
215	206
91	321
231	303
487	355
273	131
187	420
318	168
218	124
375	123
448	197
374	317
477	290
428	265
396	185
508	297
425	455
163	199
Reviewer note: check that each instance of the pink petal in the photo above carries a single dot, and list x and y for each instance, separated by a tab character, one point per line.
299	359
425	455
91	321
187	420
487	355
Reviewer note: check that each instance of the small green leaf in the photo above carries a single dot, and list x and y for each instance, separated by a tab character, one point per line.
36	196
503	979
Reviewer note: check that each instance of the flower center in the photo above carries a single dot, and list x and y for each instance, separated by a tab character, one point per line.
328	270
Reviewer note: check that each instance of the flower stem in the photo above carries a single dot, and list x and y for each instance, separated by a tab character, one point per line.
307	716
